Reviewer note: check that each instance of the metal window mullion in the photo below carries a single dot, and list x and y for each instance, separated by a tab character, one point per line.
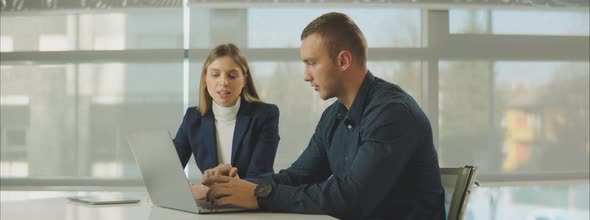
435	29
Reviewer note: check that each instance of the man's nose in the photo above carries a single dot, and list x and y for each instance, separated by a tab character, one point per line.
307	76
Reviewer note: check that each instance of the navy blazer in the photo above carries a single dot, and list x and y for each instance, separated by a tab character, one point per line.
255	141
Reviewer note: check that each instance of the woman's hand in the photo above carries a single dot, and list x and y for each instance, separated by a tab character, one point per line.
199	191
220	170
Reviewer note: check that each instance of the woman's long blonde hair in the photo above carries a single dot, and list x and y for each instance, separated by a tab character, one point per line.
248	92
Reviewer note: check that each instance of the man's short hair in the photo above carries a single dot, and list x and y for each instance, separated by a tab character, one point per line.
339	32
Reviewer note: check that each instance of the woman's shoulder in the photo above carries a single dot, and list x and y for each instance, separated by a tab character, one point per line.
192	113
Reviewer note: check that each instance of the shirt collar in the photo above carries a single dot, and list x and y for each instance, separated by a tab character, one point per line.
226	113
353	115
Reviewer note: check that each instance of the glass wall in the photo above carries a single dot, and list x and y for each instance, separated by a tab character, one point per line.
552	202
69	118
73	86
511	117
518	22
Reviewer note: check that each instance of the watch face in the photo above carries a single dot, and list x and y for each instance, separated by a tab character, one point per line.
262	191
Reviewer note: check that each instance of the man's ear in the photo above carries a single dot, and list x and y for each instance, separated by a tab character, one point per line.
344	60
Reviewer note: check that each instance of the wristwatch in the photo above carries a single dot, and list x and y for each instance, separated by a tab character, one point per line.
263	191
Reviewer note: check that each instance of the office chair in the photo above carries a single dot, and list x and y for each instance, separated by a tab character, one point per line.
457	183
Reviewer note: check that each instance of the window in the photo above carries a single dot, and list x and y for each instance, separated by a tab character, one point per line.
384	28
504	22
74	85
93	31
556	201
511	116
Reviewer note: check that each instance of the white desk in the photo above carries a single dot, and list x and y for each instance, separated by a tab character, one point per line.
63	209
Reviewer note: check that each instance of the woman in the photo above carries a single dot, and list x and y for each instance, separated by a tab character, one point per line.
231	125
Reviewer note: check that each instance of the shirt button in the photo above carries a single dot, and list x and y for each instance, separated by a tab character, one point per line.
346	158
349	126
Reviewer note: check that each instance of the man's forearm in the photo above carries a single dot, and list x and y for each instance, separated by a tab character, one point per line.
261	179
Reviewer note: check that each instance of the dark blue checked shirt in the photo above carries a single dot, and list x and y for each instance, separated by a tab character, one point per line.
374	161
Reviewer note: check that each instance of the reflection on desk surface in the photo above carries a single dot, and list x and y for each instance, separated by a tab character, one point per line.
60	209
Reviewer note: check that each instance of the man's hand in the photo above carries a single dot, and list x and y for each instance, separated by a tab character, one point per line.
233	192
220	170
199	191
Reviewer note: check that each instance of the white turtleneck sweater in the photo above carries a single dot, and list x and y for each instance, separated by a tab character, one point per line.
225	124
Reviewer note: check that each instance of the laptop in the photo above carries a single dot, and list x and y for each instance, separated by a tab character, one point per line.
163	174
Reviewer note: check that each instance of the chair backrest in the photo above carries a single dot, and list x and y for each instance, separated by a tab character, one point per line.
457	183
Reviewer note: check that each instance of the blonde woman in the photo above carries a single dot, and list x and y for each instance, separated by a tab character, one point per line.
230	125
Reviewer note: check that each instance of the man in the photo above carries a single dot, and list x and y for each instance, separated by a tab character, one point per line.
372	154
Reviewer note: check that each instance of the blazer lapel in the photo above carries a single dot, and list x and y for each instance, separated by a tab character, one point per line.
209	140
242	123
